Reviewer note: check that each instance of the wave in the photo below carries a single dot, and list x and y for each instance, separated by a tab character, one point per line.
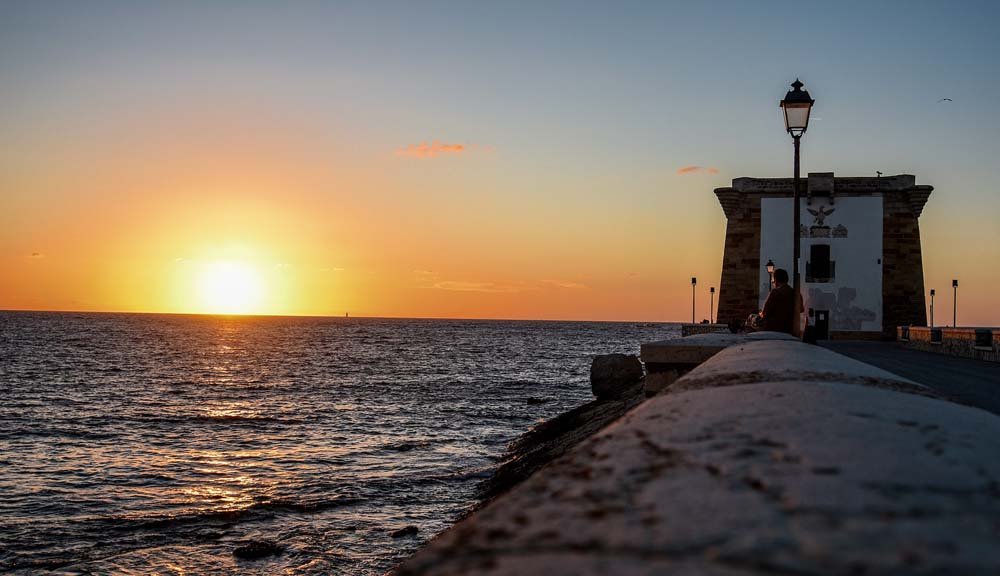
408	445
224	516
252	420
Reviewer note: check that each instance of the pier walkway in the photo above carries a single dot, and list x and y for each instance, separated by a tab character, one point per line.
972	382
770	457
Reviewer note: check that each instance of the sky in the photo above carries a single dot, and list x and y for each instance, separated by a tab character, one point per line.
536	160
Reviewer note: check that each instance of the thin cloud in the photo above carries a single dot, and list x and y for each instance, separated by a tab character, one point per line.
462	286
696	170
565	284
37	255
432	150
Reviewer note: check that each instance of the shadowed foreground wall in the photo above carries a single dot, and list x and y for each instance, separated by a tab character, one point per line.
823	466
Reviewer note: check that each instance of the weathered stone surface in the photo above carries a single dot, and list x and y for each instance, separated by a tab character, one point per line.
660	380
837	472
738	289
614	375
902	266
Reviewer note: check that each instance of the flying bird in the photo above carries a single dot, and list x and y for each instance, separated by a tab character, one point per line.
945	100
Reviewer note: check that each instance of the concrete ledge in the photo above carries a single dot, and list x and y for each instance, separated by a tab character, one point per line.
782	360
667	360
786	474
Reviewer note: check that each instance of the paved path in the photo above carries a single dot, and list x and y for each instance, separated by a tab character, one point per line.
972	382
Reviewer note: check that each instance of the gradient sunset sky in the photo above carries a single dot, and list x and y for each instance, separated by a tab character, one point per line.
494	160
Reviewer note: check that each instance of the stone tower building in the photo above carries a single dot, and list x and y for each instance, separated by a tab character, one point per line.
860	264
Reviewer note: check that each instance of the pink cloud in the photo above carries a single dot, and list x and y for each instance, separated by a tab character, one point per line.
431	150
696	170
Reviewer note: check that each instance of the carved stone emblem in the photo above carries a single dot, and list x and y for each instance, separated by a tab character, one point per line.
819	231
821	213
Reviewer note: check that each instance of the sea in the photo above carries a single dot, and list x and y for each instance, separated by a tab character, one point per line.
158	444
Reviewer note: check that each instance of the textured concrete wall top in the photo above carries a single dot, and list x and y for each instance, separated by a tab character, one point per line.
817	464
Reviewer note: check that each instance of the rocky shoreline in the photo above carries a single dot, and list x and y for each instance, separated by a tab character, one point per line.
617	383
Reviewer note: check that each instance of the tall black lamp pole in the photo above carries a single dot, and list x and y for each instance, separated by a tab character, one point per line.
796	106
932	307
711	305
954	303
694	282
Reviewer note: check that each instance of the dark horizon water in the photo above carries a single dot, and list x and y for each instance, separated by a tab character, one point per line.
139	443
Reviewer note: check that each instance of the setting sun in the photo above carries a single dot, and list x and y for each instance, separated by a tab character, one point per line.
229	288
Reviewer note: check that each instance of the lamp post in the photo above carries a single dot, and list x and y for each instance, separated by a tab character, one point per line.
932	307
954	303
796	106
711	306
694	282
770	273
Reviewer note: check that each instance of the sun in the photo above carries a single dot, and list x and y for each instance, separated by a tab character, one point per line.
228	287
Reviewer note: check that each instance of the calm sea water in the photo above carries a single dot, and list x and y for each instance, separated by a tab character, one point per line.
155	443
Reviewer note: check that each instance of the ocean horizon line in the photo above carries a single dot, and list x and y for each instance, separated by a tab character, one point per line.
358	317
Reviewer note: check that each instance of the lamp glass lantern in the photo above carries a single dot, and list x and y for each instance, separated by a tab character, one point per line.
797	105
770	267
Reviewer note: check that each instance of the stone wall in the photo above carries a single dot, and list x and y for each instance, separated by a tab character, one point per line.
692	329
902	265
953	341
738	291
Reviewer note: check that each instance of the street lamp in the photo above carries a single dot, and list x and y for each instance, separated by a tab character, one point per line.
932	307
711	306
796	106
954	304
770	273
694	282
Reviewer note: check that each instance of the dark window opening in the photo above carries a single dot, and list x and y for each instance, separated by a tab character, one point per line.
819	267
935	335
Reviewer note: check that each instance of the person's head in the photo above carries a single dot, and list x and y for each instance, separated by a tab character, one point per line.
780	277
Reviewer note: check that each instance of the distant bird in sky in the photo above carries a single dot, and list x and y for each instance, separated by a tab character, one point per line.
945	100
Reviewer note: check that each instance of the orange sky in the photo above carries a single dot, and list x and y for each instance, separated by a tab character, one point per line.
106	221
432	161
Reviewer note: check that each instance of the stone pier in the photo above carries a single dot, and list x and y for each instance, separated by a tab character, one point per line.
771	457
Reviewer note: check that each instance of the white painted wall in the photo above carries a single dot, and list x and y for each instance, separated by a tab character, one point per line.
854	298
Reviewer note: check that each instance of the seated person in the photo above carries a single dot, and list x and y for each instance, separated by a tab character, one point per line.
778	314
